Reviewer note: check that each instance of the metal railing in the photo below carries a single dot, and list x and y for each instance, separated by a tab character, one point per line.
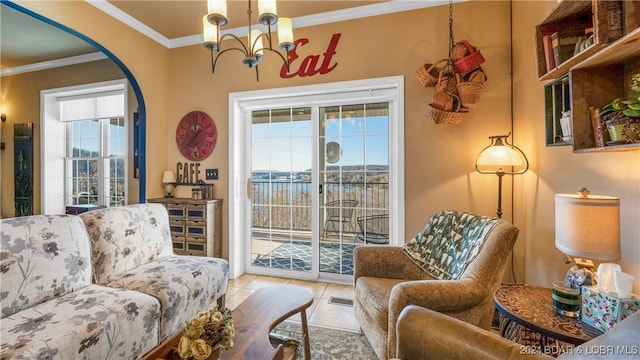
287	205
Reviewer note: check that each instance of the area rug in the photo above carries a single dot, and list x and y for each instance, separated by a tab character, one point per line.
329	344
334	257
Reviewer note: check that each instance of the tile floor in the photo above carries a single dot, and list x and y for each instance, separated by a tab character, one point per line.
321	313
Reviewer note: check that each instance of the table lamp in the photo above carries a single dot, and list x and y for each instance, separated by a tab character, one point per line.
500	155
168	179
587	227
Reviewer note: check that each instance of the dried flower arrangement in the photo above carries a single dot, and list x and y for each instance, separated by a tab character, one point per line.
206	335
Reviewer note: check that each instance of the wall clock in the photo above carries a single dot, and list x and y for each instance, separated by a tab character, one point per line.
196	135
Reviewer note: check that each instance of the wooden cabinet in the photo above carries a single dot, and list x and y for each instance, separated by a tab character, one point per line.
196	225
600	72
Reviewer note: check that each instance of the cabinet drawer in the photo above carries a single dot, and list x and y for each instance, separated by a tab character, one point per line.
197	211
179	244
197	239
177	227
196	228
175	210
196	248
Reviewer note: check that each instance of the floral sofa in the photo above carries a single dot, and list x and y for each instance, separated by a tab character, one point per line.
104	285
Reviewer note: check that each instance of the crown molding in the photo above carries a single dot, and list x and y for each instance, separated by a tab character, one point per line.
130	21
329	17
54	63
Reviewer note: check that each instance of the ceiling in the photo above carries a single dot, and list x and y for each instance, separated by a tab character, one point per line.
25	40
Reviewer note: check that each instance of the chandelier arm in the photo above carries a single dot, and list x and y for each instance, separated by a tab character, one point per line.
269	36
215	62
228	35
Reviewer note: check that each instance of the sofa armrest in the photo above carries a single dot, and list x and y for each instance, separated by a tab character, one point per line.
388	262
426	334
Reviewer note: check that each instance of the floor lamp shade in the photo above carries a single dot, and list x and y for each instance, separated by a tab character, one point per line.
588	226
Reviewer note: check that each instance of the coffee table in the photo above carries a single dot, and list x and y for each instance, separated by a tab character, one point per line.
253	320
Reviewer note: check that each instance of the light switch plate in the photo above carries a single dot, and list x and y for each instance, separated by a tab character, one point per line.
211	174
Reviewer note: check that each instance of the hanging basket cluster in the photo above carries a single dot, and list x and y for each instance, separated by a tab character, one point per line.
458	81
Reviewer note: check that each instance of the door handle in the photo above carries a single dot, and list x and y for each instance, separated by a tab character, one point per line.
249	188
320	189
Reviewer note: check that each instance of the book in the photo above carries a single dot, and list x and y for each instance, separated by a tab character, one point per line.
548	52
563	47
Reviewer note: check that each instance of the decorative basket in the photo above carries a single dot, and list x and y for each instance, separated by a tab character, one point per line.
469	93
445	101
466	57
444	117
446	81
428	73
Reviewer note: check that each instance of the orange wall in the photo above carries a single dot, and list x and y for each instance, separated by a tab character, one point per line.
439	159
439	171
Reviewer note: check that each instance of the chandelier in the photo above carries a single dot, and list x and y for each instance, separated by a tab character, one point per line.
254	49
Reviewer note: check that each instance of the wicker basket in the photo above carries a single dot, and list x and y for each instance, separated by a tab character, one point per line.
444	101
428	73
444	117
466	57
446	81
469	93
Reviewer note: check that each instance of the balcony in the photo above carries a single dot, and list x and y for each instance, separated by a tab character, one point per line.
281	223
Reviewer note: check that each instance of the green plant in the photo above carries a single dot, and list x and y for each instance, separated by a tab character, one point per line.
630	105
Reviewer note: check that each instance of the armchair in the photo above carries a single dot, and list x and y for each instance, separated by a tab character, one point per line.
456	339
453	266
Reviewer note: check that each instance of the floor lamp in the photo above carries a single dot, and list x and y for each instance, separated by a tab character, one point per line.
500	155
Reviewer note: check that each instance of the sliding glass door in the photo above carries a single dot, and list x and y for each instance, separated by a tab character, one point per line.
315	171
350	195
281	204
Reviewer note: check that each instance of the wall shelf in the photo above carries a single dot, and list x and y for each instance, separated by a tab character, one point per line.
598	74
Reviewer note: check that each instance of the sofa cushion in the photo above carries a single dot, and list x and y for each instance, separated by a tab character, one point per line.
41	257
123	238
95	322
184	285
449	242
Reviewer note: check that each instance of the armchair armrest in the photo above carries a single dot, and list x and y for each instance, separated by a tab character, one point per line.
388	262
439	295
417	338
453	297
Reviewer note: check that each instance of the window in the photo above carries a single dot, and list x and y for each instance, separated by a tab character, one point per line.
84	142
96	162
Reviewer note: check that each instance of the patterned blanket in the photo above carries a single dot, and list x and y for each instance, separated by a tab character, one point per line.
449	242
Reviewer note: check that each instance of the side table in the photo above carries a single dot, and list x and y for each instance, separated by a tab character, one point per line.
527	317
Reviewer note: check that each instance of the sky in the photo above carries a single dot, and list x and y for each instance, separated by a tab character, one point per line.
287	146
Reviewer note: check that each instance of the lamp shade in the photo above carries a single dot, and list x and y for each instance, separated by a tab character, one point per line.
218	7
285	34
588	226
168	177
210	32
267	12
501	157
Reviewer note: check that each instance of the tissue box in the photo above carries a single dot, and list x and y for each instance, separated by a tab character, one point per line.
603	310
